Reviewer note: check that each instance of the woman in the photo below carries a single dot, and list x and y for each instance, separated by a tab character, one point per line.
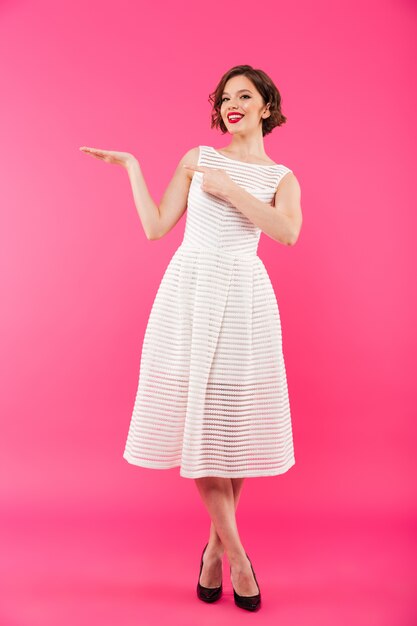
212	396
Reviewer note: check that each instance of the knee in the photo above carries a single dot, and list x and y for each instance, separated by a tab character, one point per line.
214	482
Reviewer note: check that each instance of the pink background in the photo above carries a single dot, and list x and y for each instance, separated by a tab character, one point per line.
88	538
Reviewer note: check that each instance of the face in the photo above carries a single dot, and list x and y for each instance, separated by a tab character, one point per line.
240	96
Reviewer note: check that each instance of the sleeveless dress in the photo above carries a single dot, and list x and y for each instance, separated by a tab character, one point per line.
212	396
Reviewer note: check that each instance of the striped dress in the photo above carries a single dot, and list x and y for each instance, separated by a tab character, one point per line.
212	395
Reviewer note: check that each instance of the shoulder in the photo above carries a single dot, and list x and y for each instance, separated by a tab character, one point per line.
191	157
288	180
288	193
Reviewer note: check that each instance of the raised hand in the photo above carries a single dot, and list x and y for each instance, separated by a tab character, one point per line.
110	156
215	180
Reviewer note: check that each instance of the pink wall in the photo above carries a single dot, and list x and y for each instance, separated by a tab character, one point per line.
79	275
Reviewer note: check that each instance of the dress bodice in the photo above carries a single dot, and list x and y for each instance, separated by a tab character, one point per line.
215	223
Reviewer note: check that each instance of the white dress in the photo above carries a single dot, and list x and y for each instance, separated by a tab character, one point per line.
212	396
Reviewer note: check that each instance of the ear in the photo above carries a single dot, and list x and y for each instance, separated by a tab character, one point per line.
267	107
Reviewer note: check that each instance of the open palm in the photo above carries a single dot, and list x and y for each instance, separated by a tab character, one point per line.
110	156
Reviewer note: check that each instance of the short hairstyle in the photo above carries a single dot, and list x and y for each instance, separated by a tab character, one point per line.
266	88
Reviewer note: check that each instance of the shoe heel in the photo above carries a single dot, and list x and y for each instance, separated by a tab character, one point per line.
207	594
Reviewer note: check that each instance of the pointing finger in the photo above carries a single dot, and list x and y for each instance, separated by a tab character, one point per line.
197	168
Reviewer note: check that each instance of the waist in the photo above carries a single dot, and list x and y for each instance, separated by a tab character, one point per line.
229	251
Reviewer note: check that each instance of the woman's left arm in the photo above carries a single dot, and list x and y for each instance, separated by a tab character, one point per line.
281	222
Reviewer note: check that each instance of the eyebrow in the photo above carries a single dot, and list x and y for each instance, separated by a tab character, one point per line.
240	91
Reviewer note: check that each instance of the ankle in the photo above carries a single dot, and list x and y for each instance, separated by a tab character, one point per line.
215	550
238	560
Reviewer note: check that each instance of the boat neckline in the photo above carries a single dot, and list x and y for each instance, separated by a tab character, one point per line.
243	162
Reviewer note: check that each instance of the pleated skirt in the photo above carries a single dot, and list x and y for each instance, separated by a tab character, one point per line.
212	395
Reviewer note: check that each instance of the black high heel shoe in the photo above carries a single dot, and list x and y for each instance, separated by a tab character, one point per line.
207	594
250	603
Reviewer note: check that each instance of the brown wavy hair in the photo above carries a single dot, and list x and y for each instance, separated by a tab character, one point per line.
266	88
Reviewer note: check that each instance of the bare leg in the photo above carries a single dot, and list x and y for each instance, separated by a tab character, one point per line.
215	546
218	495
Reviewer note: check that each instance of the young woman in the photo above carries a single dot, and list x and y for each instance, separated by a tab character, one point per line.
212	396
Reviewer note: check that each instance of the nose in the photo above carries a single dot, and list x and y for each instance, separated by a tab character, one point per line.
232	104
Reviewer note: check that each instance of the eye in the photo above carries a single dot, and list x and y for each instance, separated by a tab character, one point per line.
225	98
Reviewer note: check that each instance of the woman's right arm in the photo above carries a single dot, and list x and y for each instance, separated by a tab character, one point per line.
158	221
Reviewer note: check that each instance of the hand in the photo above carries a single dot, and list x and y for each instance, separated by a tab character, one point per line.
215	181
110	156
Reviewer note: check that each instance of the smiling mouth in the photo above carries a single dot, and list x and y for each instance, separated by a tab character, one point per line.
233	119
